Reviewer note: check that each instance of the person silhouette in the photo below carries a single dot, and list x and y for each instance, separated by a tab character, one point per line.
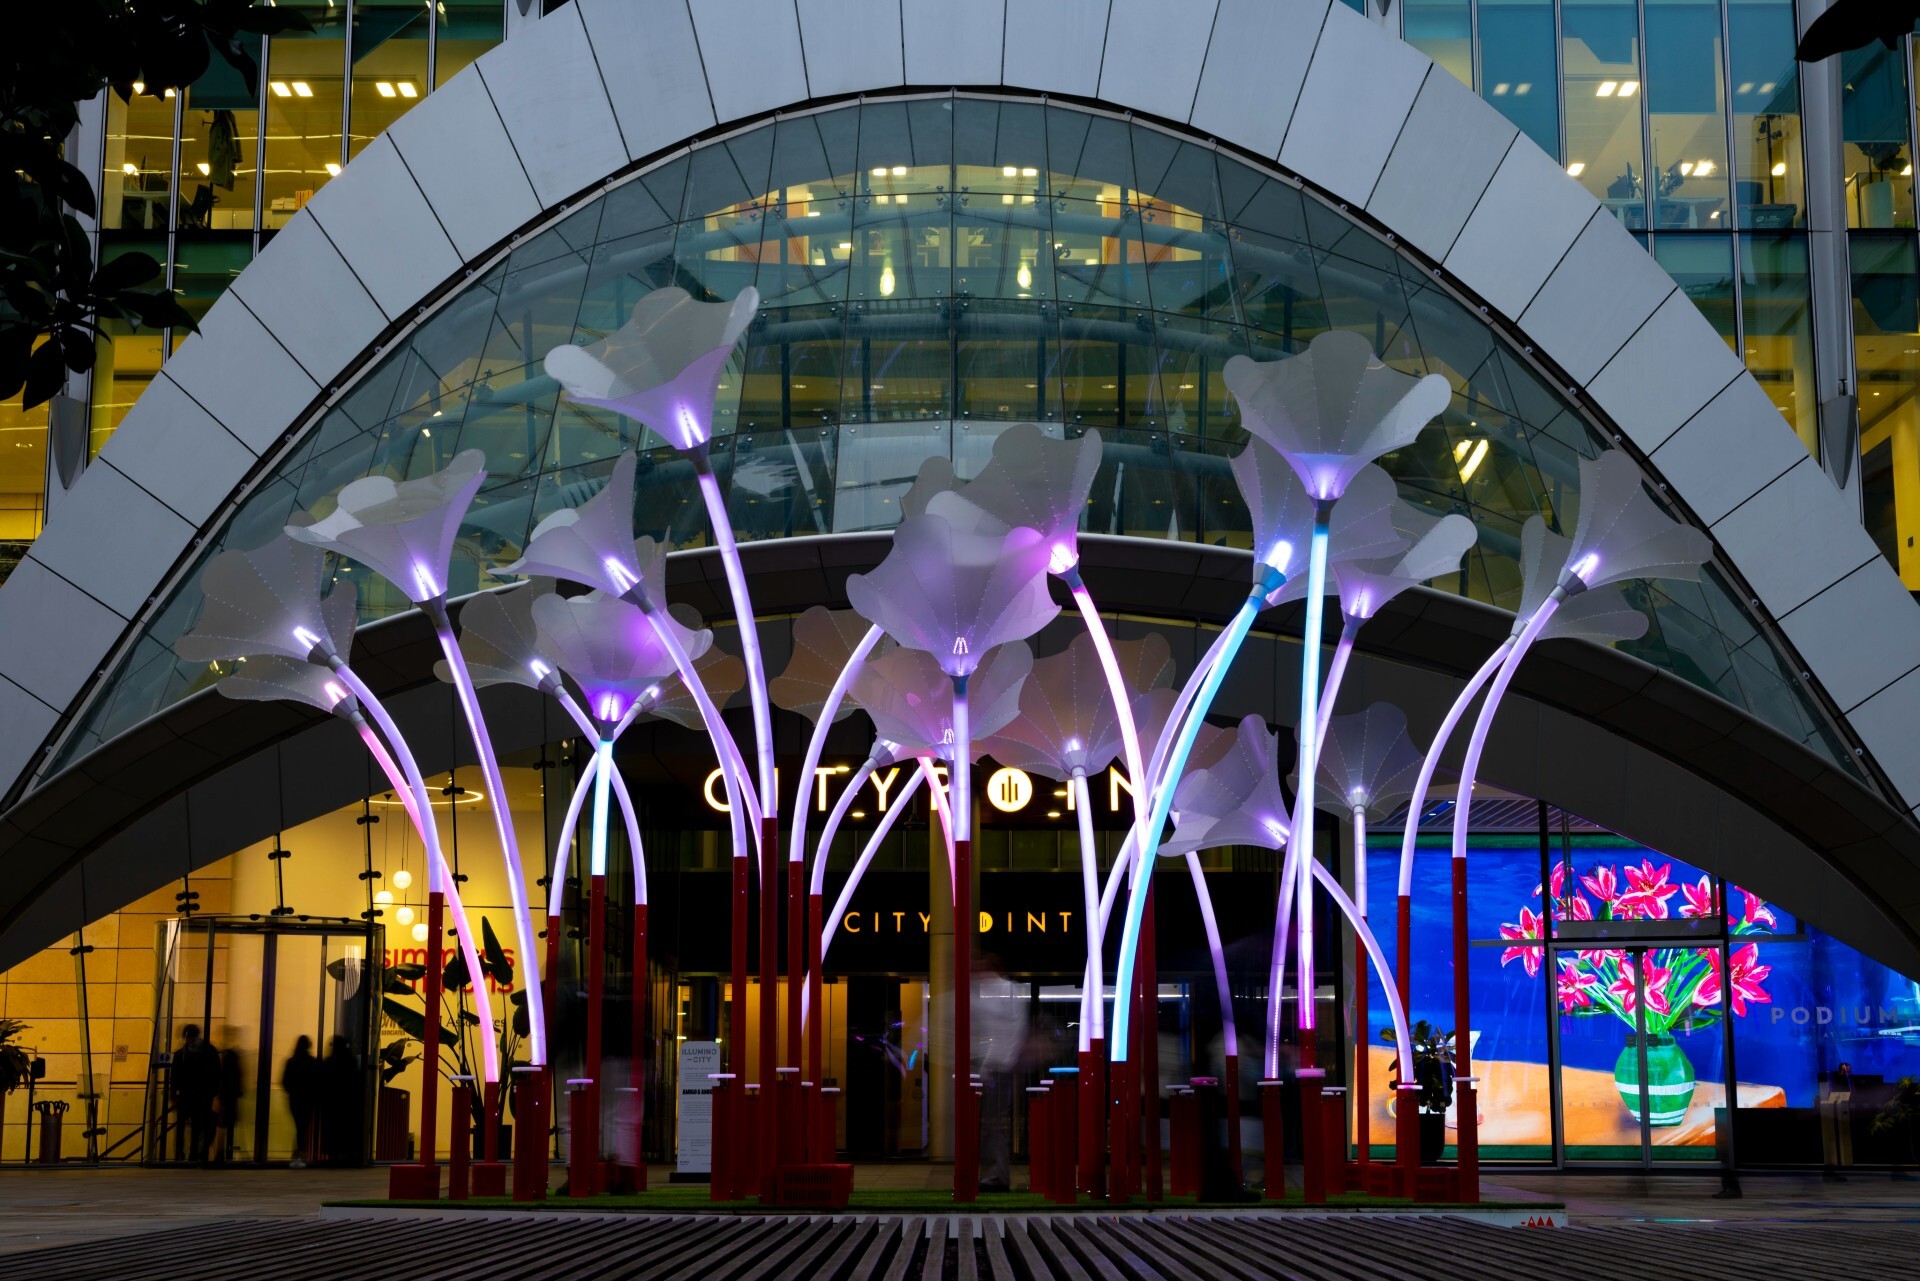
301	1080
195	1083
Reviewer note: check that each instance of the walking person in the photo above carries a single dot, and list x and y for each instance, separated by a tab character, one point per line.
195	1083
343	1103
301	1080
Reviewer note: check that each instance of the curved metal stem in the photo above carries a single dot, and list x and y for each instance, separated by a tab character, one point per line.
817	743
831	925
749	632
1093	1020
563	849
1402	1039
848	794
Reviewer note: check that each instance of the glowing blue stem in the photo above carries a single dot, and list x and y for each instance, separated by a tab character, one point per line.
602	783
1149	841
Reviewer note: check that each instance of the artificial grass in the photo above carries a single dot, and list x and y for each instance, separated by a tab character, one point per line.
693	1199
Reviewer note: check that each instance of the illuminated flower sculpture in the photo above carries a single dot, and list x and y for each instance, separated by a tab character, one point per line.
405	531
957	593
267	604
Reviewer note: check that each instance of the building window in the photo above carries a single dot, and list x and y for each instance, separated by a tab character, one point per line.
1875	117
1518	71
1443	30
1770	176
135	191
389	66
304	113
465	29
1600	50
219	151
1687	115
1886	357
1776	309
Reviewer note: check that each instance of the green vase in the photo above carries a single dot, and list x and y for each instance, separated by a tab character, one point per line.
1670	1079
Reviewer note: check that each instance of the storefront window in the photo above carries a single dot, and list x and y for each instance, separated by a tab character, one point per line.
219	148
304	112
1443	30
1686	112
1886	356
135	191
1519	74
1875	117
465	29
1601	54
1777	311
1770	177
389	66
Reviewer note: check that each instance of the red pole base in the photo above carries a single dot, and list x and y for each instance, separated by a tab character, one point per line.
529	1134
1406	1141
826	1137
792	1113
1467	1141
1066	1138
1040	1136
1183	1160
1313	1161
583	1158
1333	1139
720	1143
1093	1090
460	1159
1274	1140
1230	1082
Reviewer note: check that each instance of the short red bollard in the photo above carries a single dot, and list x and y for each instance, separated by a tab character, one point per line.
747	1114
1333	1137
1066	1133
1183	1158
1406	1140
720	1179
1090	1161
826	1126
583	1122
1039	1141
791	1111
1313	1160
460	1157
1467	1141
529	1134
1273	1123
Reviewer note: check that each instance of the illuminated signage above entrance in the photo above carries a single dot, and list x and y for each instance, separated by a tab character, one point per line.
1006	790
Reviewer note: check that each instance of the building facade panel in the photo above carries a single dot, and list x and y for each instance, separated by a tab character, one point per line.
1674	366
1792	539
942	51
304	292
237	371
657	85
379	221
1056	43
1154	51
1527	219
851	45
1863	632
1596	299
458	151
1728	452
549	92
1338	139
180	453
752	56
1256	64
114	541
52	673
1446	154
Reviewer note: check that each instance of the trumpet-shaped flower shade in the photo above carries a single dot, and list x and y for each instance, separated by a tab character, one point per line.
1363	526
663	366
270	678
1622	533
499	638
1437	544
1041	483
1234	801
910	697
954	593
1067	723
934	477
1601	614
606	645
823	640
402	530
269	601
722	675
1367	761
1333	408
592	543
1151	711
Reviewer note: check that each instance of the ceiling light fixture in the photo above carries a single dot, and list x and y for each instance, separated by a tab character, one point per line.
301	89
280	89
1577	168
1606	88
407	90
333	170
385	88
1629	87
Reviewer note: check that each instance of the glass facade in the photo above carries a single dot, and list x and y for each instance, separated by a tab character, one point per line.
931	270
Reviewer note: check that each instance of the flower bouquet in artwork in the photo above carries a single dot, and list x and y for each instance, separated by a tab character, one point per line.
1654	991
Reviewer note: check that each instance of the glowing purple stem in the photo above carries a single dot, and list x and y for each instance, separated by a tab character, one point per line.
438	875
1483	724
848	794
557	882
1418	801
1403	1041
817	744
831	925
1093	1024
632	819
749	633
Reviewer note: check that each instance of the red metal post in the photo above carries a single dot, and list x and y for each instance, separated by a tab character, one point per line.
1040	1141
816	994
966	1118
594	1067
1231	1082
460	1155
769	1025
1362	1063
1466	1120
1313	1161
1093	1112
529	1134
1273	1125
637	1054
1150	1050
1406	1139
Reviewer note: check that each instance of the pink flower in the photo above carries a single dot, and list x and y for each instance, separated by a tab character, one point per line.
1647	891
1747	973
1558	882
1575	908
1699	899
1529	928
1623	988
1575	982
1602	885
1756	911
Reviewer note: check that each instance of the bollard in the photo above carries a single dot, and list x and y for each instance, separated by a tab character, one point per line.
826	1145
529	1134
1467	1142
1333	1137
1406	1140
1066	1131
1039	1141
1273	1122
720	1177
1313	1161
747	1171
790	1117
1183	1158
460	1157
582	1164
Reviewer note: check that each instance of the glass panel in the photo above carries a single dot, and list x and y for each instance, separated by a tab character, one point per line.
1770	182
304	75
389	65
1702	265
1518	71
1778	313
1886	357
1443	30
135	191
23	478
1686	112
1874	119
127	358
467	29
1601	51
219	149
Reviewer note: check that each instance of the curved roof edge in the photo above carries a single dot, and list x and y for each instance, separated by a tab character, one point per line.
523	131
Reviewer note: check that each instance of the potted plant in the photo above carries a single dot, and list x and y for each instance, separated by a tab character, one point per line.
16	1065
1682	985
1433	1073
458	1050
1894	1122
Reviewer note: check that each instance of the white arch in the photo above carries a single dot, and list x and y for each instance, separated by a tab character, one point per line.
599	85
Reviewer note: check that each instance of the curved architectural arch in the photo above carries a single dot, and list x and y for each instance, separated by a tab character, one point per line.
510	142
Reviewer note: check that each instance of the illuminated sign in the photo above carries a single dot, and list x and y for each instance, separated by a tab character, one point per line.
1007	790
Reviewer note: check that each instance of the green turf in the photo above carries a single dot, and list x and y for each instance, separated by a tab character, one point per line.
693	1198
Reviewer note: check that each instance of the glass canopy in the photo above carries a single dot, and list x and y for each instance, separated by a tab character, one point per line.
932	270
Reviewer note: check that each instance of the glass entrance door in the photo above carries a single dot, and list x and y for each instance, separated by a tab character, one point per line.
1641	1050
230	1081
